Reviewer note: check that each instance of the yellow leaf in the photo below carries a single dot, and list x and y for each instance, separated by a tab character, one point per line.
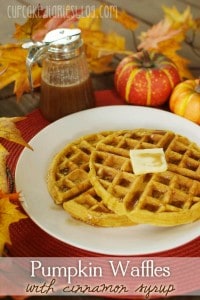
101	46
10	132
2	70
170	48
101	64
8	215
3	175
91	22
97	42
177	19
13	59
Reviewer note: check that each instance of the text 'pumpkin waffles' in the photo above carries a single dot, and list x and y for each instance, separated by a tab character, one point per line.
167	198
69	184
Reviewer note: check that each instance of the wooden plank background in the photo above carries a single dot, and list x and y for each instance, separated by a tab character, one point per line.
147	12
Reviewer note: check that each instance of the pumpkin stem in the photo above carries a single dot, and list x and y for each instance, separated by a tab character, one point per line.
147	61
197	87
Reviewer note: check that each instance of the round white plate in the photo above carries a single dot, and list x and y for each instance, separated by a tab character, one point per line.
32	169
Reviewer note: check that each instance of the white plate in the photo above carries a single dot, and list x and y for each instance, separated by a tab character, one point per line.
32	168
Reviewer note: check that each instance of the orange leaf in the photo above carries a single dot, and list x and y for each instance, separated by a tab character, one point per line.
35	20
197	24
2	70
38	24
160	32
8	215
3	176
13	59
10	132
101	64
54	22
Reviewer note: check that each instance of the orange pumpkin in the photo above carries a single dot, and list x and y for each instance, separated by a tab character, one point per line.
185	100
146	78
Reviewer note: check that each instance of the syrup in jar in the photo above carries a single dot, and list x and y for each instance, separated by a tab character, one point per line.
59	101
66	86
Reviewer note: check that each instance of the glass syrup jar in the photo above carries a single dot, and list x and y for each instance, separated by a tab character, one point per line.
66	85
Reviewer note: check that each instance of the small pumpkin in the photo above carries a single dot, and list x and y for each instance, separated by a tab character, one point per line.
185	100
146	78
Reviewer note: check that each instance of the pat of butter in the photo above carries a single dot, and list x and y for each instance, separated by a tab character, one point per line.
148	160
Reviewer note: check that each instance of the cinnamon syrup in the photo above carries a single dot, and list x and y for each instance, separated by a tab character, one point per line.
59	101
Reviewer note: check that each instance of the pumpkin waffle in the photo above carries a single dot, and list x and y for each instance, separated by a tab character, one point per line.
68	172
168	198
89	208
69	184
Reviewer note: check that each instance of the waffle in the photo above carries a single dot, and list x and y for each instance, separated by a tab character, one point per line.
89	208
166	199
68	172
69	184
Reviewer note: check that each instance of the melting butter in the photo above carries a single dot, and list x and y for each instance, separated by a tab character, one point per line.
148	160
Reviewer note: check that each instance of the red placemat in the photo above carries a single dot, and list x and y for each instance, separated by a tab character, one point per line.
28	240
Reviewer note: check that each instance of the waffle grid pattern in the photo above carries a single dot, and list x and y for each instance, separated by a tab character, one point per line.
69	184
68	173
167	198
93	179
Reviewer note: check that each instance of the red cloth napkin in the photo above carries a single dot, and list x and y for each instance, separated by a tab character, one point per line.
28	240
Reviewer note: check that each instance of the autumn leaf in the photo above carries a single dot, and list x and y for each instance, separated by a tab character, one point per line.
2	70
3	176
92	21
102	43
10	132
197	24
9	213
177	19
100	47
158	33
13	60
39	24
167	37
35	20
55	22
170	49
101	65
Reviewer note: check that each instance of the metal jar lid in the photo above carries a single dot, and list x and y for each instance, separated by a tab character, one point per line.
64	42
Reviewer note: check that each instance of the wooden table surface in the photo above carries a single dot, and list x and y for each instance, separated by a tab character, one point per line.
145	11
